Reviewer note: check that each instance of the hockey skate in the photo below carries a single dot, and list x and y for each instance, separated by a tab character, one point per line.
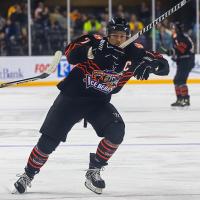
185	102
182	102
93	181
177	103
20	186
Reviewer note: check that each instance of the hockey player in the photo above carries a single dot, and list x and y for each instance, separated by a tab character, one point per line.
101	69
183	54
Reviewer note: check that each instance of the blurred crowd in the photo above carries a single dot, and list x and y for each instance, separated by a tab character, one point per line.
13	31
49	27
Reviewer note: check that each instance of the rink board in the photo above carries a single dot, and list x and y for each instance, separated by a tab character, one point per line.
16	68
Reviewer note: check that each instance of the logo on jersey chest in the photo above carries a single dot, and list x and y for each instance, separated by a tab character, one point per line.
104	81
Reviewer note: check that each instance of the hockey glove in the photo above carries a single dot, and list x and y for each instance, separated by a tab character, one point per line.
142	71
159	65
156	65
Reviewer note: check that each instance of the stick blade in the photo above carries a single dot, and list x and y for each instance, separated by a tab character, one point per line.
51	69
55	62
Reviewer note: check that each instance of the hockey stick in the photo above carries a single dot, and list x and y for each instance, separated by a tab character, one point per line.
154	23
51	68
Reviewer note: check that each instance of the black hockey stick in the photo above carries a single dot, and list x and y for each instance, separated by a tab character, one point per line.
154	23
51	68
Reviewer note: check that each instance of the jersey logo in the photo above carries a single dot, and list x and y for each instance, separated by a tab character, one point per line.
105	81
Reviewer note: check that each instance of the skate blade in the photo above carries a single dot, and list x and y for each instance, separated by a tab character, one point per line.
180	108
89	185
14	190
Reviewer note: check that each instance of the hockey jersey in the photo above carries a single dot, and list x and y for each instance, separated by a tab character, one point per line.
89	79
183	45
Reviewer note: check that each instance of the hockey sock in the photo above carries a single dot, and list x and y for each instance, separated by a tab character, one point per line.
184	91
178	91
105	150
36	160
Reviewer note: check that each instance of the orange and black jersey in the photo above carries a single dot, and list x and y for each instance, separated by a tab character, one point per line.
87	79
183	45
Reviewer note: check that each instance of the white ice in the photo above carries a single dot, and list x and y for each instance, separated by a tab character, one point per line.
158	160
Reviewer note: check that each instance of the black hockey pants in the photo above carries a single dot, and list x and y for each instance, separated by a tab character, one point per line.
67	111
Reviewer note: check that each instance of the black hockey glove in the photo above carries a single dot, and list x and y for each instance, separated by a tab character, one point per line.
142	70
151	63
159	65
106	54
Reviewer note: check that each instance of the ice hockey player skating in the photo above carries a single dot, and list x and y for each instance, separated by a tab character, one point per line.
101	69
183	54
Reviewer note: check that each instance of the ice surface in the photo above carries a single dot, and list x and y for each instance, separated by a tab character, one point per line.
158	160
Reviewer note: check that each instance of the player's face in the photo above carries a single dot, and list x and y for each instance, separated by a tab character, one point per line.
117	38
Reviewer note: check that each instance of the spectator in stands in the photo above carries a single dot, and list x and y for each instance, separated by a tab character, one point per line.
104	22
77	25
75	15
120	11
2	22
12	9
11	30
58	17
19	17
38	11
40	28
55	37
135	25
158	9
12	38
91	26
2	36
163	37
144	13
193	31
